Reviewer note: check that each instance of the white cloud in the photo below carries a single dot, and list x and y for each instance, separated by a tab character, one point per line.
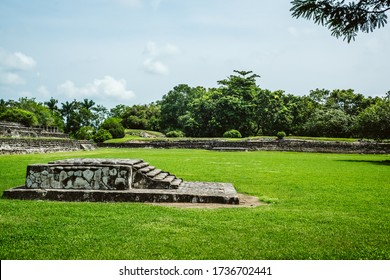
16	61
105	89
11	66
152	49
154	54
155	67
11	79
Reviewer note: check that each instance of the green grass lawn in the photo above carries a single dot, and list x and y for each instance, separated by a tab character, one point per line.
324	206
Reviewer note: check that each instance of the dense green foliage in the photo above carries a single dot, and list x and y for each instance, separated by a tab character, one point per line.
114	126
325	206
238	103
138	116
174	134
344	19
102	135
280	135
85	133
374	121
232	134
20	116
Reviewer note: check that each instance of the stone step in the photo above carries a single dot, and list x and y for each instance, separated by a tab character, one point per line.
161	176
141	165
176	183
169	179
147	169
153	173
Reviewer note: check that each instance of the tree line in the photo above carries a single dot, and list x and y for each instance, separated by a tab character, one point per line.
238	103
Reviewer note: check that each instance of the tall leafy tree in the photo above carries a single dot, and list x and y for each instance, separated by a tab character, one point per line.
68	111
271	114
52	104
374	121
175	104
87	104
344	18
234	106
329	123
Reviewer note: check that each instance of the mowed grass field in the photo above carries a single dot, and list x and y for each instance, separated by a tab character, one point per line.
320	206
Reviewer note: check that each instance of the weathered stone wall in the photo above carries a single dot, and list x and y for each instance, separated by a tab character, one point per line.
109	180
57	176
12	129
39	145
99	174
267	145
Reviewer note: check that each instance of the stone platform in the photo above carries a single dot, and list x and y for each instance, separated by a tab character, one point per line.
115	180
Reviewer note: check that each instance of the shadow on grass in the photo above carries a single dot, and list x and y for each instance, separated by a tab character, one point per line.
377	162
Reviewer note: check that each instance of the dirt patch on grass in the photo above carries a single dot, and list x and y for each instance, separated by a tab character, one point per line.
245	201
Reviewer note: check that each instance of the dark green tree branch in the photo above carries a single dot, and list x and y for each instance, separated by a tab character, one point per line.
344	19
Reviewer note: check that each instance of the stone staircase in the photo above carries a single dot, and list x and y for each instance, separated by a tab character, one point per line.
115	180
150	177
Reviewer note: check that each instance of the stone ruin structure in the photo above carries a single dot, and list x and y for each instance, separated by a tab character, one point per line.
115	180
13	129
16	138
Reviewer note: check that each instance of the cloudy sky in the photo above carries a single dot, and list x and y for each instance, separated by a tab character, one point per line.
135	51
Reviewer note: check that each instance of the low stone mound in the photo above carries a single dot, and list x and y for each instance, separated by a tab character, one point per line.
110	180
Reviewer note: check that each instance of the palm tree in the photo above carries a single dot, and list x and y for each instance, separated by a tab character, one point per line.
66	111
88	104
52	104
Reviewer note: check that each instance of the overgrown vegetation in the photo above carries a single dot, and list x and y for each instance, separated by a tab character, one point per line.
321	206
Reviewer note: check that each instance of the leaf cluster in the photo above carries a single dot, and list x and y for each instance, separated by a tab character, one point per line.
343	19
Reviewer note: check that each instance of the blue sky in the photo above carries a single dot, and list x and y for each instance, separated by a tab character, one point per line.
135	51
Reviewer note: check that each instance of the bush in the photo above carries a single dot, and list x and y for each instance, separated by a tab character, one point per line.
85	133
102	135
281	135
232	134
20	116
114	126
175	134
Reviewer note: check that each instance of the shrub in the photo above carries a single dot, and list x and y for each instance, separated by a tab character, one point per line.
102	135
114	126
174	134
281	135
232	134
85	133
20	116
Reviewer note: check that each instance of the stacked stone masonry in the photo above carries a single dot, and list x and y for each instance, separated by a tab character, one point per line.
41	145
19	139
115	180
99	174
363	147
12	129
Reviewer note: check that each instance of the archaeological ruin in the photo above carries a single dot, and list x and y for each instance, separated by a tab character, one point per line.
16	138
115	180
